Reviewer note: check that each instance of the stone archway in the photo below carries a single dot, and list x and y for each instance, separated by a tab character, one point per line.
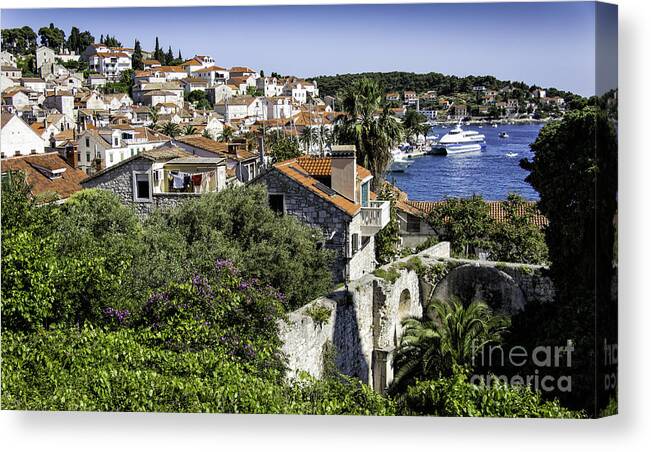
469	283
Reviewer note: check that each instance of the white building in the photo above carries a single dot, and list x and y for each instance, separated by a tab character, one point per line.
214	75
64	102
242	107
269	86
103	148
110	63
17	138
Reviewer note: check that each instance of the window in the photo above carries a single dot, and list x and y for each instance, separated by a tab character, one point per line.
88	156
87	142
141	186
413	224
33	151
277	203
365	192
354	243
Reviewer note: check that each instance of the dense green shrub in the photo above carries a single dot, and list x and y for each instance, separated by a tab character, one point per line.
456	396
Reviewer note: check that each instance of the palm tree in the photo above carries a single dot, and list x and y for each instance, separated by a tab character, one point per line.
368	124
308	136
448	335
206	134
170	129
226	135
153	113
414	124
189	130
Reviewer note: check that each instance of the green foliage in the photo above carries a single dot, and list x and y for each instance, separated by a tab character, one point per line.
319	314
52	37
456	396
282	147
78	41
239	224
391	274
431	241
199	99
368	124
447	335
19	41
387	241
137	59
574	169
467	224
171	129
414	124
331	85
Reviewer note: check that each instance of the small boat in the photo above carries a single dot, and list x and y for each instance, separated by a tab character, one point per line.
511	154
503	135
400	161
494	126
452	149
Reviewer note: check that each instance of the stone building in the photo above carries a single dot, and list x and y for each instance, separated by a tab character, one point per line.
333	194
148	180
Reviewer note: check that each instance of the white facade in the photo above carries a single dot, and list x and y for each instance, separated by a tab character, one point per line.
111	65
109	146
17	138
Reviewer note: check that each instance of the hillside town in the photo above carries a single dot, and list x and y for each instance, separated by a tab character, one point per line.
201	234
195	127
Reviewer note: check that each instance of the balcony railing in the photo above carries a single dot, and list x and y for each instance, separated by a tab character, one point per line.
376	216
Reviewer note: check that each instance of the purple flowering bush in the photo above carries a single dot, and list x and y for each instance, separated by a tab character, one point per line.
221	309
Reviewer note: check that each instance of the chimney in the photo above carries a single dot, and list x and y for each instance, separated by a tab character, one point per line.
344	171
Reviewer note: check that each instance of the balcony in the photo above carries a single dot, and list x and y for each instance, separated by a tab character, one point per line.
376	216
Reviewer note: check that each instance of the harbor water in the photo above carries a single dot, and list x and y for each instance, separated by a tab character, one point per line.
493	172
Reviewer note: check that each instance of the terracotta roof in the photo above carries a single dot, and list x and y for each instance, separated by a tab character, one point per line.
151	62
35	168
216	147
496	210
212	69
192	62
322	166
241	69
168	69
296	172
112	55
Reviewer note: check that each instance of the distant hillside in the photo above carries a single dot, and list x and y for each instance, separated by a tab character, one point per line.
410	81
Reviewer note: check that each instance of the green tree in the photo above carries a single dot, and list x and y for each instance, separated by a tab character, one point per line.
517	238
464	222
284	148
574	169
387	241
414	124
447	335
456	396
19	41
189	130
52	37
136	59
171	129
368	125
307	138
227	134
154	116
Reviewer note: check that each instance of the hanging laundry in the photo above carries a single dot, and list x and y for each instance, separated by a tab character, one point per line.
179	181
186	181
196	179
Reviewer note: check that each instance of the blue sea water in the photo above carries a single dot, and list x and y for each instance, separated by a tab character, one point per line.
489	173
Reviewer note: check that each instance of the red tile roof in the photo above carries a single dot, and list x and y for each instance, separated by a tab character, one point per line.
496	210
64	185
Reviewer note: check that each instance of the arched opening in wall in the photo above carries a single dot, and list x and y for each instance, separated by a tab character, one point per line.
404	309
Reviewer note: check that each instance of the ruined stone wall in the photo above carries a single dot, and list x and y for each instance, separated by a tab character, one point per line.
365	324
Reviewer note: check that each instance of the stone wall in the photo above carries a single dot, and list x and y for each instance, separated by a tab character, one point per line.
336	225
365	322
119	180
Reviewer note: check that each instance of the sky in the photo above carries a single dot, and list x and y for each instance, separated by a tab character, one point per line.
548	44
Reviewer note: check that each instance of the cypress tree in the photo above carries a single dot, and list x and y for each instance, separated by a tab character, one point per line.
137	57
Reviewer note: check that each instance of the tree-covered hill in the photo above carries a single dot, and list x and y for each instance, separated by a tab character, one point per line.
410	81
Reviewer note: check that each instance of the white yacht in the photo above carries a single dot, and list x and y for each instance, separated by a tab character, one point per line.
457	141
400	162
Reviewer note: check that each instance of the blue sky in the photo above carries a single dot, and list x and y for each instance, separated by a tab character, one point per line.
549	44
